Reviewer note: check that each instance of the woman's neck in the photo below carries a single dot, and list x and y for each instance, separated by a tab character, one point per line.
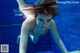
38	31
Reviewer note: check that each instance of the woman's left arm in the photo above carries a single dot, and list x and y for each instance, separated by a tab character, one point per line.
57	38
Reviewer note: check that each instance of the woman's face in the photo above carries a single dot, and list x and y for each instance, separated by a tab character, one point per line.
43	21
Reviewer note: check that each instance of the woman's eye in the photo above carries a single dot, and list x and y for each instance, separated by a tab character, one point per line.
40	19
48	20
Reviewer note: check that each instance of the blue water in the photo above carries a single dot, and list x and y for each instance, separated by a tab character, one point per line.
67	22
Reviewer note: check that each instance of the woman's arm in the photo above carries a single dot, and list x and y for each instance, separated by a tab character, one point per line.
24	37
24	8
21	3
57	38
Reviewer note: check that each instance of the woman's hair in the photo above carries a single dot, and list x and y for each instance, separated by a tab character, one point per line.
46	7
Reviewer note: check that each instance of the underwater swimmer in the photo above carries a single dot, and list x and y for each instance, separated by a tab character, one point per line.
38	20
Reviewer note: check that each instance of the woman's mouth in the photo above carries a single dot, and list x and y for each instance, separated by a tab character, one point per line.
43	27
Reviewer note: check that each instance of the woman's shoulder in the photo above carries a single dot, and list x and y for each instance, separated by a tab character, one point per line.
52	24
29	23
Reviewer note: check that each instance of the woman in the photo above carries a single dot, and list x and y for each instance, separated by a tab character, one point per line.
38	21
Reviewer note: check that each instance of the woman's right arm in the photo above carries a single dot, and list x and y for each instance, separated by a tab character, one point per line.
24	37
27	25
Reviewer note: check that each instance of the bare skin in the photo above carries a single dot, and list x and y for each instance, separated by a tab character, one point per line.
42	22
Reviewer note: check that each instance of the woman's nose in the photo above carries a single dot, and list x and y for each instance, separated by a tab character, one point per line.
44	24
